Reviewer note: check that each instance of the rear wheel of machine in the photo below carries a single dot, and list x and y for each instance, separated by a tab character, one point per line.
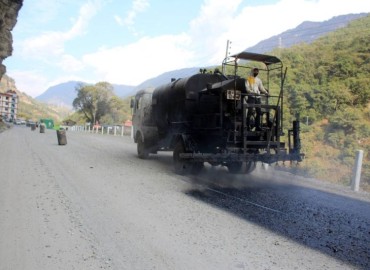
250	166
235	167
142	150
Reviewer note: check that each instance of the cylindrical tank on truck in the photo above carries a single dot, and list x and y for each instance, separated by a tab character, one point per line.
203	118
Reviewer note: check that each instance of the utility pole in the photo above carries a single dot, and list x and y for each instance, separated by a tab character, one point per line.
280	45
228	46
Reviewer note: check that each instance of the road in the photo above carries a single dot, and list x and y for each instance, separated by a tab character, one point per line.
92	204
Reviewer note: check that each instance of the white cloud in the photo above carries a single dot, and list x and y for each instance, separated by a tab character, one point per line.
118	20
49	49
70	64
51	44
30	82
142	60
87	11
257	23
210	29
138	6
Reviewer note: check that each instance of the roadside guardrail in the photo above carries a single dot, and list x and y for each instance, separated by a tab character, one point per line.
117	130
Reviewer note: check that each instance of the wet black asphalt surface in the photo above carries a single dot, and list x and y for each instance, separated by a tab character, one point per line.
335	224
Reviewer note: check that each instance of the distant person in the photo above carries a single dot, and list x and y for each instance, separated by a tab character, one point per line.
254	88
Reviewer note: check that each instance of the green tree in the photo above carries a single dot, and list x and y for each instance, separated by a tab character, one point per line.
93	100
119	111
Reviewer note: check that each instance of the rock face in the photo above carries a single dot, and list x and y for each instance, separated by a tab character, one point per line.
8	18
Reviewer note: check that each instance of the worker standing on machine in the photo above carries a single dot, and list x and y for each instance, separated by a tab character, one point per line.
254	88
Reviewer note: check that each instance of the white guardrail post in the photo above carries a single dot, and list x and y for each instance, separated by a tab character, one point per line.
114	130
355	185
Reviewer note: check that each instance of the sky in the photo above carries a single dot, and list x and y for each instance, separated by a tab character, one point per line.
130	41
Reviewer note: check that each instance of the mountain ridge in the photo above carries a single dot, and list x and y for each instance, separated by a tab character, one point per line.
305	32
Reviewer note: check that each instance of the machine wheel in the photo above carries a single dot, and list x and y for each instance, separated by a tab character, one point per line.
250	166
142	150
235	167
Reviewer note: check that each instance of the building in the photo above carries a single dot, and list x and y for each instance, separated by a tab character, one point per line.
8	105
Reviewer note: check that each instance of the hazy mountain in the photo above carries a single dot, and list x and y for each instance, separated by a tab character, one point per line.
122	90
63	94
306	32
166	78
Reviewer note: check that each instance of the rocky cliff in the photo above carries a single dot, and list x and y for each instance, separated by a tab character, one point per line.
8	18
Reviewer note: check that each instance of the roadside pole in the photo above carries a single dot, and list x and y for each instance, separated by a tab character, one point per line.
355	185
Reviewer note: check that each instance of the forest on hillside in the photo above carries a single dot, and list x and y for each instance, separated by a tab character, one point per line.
328	89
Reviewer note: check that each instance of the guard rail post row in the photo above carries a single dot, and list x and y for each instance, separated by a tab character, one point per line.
114	130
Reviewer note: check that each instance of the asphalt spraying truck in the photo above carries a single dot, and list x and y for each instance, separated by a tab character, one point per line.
204	118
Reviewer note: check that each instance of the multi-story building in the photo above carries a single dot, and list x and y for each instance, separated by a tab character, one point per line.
8	105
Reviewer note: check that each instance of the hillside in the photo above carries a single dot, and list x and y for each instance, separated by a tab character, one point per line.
60	94
328	88
29	108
